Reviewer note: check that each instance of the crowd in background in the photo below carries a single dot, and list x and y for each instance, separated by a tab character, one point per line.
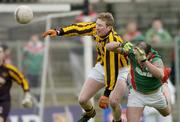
157	34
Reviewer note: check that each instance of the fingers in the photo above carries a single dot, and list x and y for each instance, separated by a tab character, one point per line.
129	44
27	103
45	34
140	51
51	33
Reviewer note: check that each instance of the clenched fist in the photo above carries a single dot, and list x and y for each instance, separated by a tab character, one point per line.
112	46
103	102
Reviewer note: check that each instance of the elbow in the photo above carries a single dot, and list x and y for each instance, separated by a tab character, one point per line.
166	74
161	76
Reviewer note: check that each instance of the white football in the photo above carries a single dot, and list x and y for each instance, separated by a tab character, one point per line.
23	14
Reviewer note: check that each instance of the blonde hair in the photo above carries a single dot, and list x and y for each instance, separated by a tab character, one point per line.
107	17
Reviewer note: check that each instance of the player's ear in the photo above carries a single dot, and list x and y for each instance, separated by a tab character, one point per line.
109	28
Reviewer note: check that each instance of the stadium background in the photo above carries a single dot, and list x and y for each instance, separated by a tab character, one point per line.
65	72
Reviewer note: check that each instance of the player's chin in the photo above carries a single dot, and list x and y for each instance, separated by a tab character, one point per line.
100	34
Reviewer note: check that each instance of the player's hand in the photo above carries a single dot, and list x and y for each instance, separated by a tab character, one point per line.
167	72
126	46
103	102
112	46
51	33
27	101
140	54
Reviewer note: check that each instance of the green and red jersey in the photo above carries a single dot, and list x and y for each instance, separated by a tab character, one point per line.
141	79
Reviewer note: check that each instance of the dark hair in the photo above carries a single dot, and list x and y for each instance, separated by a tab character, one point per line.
4	47
157	18
147	47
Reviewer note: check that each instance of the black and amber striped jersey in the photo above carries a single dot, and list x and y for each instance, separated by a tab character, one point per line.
8	74
110	60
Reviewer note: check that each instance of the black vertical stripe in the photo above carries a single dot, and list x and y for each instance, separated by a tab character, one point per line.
115	63
108	68
116	66
127	61
122	65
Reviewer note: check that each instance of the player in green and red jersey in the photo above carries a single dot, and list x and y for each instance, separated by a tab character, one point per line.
147	79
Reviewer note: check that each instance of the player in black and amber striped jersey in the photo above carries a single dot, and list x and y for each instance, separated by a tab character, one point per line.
109	69
8	74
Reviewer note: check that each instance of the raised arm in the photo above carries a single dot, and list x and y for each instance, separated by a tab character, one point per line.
156	68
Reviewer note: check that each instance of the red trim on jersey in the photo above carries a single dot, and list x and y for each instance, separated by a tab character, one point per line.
152	56
132	78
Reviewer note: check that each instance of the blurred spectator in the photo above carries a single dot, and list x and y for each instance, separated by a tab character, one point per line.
132	34
91	13
80	18
7	53
173	73
33	58
157	34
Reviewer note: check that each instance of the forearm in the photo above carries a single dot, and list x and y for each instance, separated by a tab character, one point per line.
118	47
77	29
154	70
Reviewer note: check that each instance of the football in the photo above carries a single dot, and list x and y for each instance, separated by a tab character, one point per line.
23	14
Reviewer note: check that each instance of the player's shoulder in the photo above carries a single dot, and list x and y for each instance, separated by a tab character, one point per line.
85	23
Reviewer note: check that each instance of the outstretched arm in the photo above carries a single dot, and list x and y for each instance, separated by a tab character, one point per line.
77	29
118	47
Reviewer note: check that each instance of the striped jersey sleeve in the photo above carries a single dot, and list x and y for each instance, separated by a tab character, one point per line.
79	29
112	62
17	76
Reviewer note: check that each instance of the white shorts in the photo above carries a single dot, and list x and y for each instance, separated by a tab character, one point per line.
97	73
156	100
